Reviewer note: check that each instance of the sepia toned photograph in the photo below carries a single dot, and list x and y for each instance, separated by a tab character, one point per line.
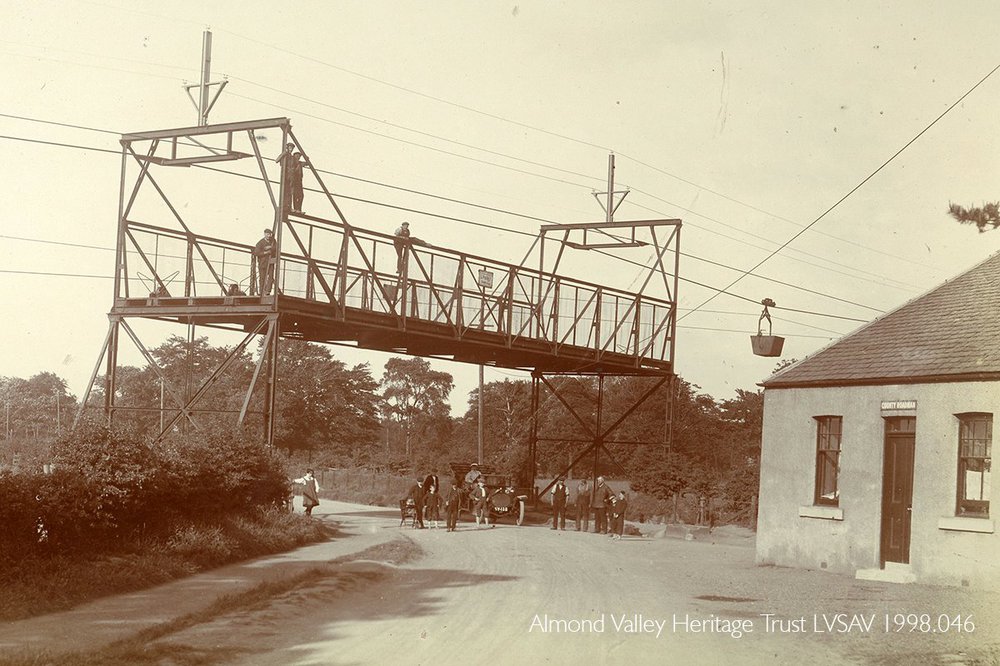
349	333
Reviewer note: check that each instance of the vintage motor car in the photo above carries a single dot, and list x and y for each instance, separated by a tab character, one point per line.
503	499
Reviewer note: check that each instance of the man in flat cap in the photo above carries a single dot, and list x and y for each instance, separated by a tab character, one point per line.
264	253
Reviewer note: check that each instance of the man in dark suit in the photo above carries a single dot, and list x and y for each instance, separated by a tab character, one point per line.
417	495
599	505
559	496
452	507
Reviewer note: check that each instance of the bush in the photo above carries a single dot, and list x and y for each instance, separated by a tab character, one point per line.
18	515
203	546
111	486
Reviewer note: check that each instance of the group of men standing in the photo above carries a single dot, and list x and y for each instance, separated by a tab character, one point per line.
607	507
427	503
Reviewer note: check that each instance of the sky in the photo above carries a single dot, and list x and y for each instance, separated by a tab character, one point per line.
810	149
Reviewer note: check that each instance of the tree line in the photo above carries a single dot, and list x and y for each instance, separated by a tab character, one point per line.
330	414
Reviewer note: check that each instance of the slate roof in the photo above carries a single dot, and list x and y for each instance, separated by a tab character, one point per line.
951	333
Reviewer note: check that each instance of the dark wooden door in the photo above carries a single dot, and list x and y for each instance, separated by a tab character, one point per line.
897	488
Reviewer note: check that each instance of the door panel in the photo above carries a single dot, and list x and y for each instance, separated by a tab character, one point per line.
897	489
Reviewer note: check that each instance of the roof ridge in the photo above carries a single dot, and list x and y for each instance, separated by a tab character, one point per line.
928	358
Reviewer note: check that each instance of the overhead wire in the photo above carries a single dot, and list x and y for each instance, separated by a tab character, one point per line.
412	143
496	117
416	211
882	278
521	171
540	130
445	152
768	213
858	186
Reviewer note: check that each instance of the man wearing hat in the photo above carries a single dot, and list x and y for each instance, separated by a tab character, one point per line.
559	496
417	495
480	503
264	253
472	476
599	506
399	241
291	167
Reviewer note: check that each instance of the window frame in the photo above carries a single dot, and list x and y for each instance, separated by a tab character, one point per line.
828	458
966	507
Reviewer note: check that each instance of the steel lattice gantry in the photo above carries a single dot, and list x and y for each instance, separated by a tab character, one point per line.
338	282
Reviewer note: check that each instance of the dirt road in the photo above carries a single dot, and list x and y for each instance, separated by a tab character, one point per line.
514	595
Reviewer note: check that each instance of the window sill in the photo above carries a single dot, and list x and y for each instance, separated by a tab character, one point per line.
822	512
961	524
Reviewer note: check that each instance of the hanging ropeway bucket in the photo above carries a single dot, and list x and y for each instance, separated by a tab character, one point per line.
766	345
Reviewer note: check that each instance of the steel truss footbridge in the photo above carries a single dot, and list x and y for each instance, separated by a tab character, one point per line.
337	282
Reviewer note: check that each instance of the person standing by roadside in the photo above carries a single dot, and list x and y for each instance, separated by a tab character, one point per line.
559	496
583	505
618	516
310	491
452	507
432	506
598	504
417	495
480	502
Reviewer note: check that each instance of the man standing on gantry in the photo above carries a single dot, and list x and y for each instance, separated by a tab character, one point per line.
264	253
399	241
292	166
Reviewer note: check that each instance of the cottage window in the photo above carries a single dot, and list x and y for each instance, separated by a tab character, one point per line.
975	434
828	429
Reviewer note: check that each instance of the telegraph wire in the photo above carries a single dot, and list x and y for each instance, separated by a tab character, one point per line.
405	128
60	144
84	64
436	215
284	108
53	122
192	70
483	162
859	185
411	143
496	117
418	93
295	111
75	275
881	279
765	212
547	166
548	132
420	212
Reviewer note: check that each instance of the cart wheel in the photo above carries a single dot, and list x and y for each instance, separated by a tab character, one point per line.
520	511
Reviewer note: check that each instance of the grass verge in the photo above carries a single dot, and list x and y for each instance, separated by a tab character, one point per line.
46	585
141	649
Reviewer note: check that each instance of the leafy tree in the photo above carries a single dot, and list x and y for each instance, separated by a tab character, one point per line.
414	400
324	406
985	217
185	366
506	426
35	412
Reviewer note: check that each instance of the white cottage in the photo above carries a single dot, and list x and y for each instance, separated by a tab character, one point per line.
876	451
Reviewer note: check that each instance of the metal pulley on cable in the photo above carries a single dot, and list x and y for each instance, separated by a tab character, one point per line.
766	345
